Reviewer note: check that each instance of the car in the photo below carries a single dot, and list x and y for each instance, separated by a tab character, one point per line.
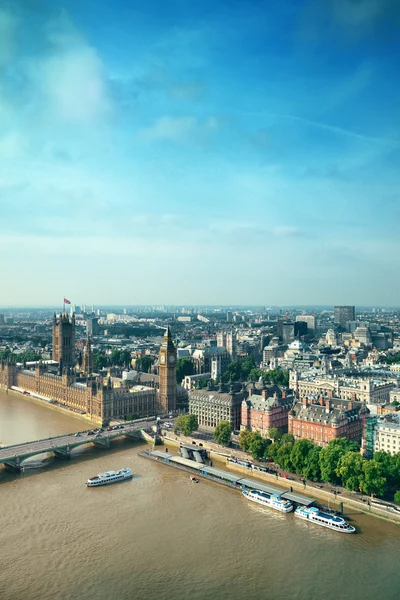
97	435
109	428
90	432
77	434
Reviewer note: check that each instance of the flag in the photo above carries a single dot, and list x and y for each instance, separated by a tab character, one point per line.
66	301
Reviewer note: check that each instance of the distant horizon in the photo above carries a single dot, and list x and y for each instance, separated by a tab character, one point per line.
154	306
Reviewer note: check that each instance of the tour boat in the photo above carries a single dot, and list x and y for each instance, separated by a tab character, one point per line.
109	477
271	500
313	514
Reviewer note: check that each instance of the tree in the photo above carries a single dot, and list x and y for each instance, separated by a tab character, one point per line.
397	497
277	376
120	358
349	469
274	434
390	467
372	480
99	360
312	467
284	457
256	445
222	433
272	451
186	424
144	363
287	438
184	366
299	455
244	439
330	455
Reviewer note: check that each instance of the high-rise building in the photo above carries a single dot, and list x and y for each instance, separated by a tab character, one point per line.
92	325
64	340
309	319
167	369
343	314
2	321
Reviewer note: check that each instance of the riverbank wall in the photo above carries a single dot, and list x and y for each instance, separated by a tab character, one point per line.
224	455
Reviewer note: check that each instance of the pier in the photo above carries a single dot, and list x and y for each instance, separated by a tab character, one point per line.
12	457
224	477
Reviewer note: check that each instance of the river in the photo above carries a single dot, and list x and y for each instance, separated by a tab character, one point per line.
159	536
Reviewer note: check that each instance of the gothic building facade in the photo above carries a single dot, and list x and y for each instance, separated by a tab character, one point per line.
167	370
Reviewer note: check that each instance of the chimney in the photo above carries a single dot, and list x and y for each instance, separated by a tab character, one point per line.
305	403
283	394
330	394
264	394
350	405
321	401
327	406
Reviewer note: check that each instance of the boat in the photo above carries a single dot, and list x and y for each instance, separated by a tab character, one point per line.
315	515
109	477
194	479
272	500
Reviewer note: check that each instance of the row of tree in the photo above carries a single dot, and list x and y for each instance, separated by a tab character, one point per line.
26	356
340	462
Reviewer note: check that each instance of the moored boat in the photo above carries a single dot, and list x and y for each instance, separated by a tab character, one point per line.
272	500
315	515
194	479
109	477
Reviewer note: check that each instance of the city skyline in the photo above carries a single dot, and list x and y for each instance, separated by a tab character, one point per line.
180	153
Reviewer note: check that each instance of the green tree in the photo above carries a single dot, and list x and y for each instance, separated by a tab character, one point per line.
244	439
287	438
274	434
372	480
390	467
397	497
99	360
395	403
144	363
299	455
121	358
257	445
272	451
330	455
349	469
277	376
284	457
312	468
184	366
186	424
222	433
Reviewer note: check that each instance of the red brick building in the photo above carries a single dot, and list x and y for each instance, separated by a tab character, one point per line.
324	419
262	412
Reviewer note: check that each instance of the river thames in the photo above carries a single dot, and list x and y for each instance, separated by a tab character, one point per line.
159	536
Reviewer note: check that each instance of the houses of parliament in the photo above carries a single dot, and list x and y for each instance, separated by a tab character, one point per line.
101	399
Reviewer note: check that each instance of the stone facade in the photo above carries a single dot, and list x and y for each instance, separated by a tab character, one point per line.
96	398
348	388
64	340
167	372
324	419
213	406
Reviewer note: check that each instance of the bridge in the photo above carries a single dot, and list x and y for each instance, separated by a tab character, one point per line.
13	456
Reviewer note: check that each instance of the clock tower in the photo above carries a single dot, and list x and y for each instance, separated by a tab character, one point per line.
167	370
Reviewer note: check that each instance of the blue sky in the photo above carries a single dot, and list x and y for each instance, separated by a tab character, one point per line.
203	152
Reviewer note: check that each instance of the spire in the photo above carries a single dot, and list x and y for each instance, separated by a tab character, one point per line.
167	334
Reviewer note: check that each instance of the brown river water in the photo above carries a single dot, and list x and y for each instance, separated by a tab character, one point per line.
159	536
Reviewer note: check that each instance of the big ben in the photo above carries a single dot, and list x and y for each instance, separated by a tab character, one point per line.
167	362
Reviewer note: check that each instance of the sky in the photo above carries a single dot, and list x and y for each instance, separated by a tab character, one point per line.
178	152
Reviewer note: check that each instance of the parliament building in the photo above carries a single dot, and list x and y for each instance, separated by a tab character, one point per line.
99	398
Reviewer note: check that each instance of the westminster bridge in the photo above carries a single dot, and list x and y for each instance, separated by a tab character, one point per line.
12	457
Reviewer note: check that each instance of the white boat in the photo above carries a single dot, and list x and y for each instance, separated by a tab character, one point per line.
109	477
271	500
315	515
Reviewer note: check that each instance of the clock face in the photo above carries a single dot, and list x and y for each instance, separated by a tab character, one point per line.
162	359
171	359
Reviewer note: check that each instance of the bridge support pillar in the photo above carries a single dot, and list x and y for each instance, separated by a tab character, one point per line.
62	453
14	466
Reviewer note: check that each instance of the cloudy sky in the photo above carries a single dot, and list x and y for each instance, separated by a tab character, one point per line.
172	151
